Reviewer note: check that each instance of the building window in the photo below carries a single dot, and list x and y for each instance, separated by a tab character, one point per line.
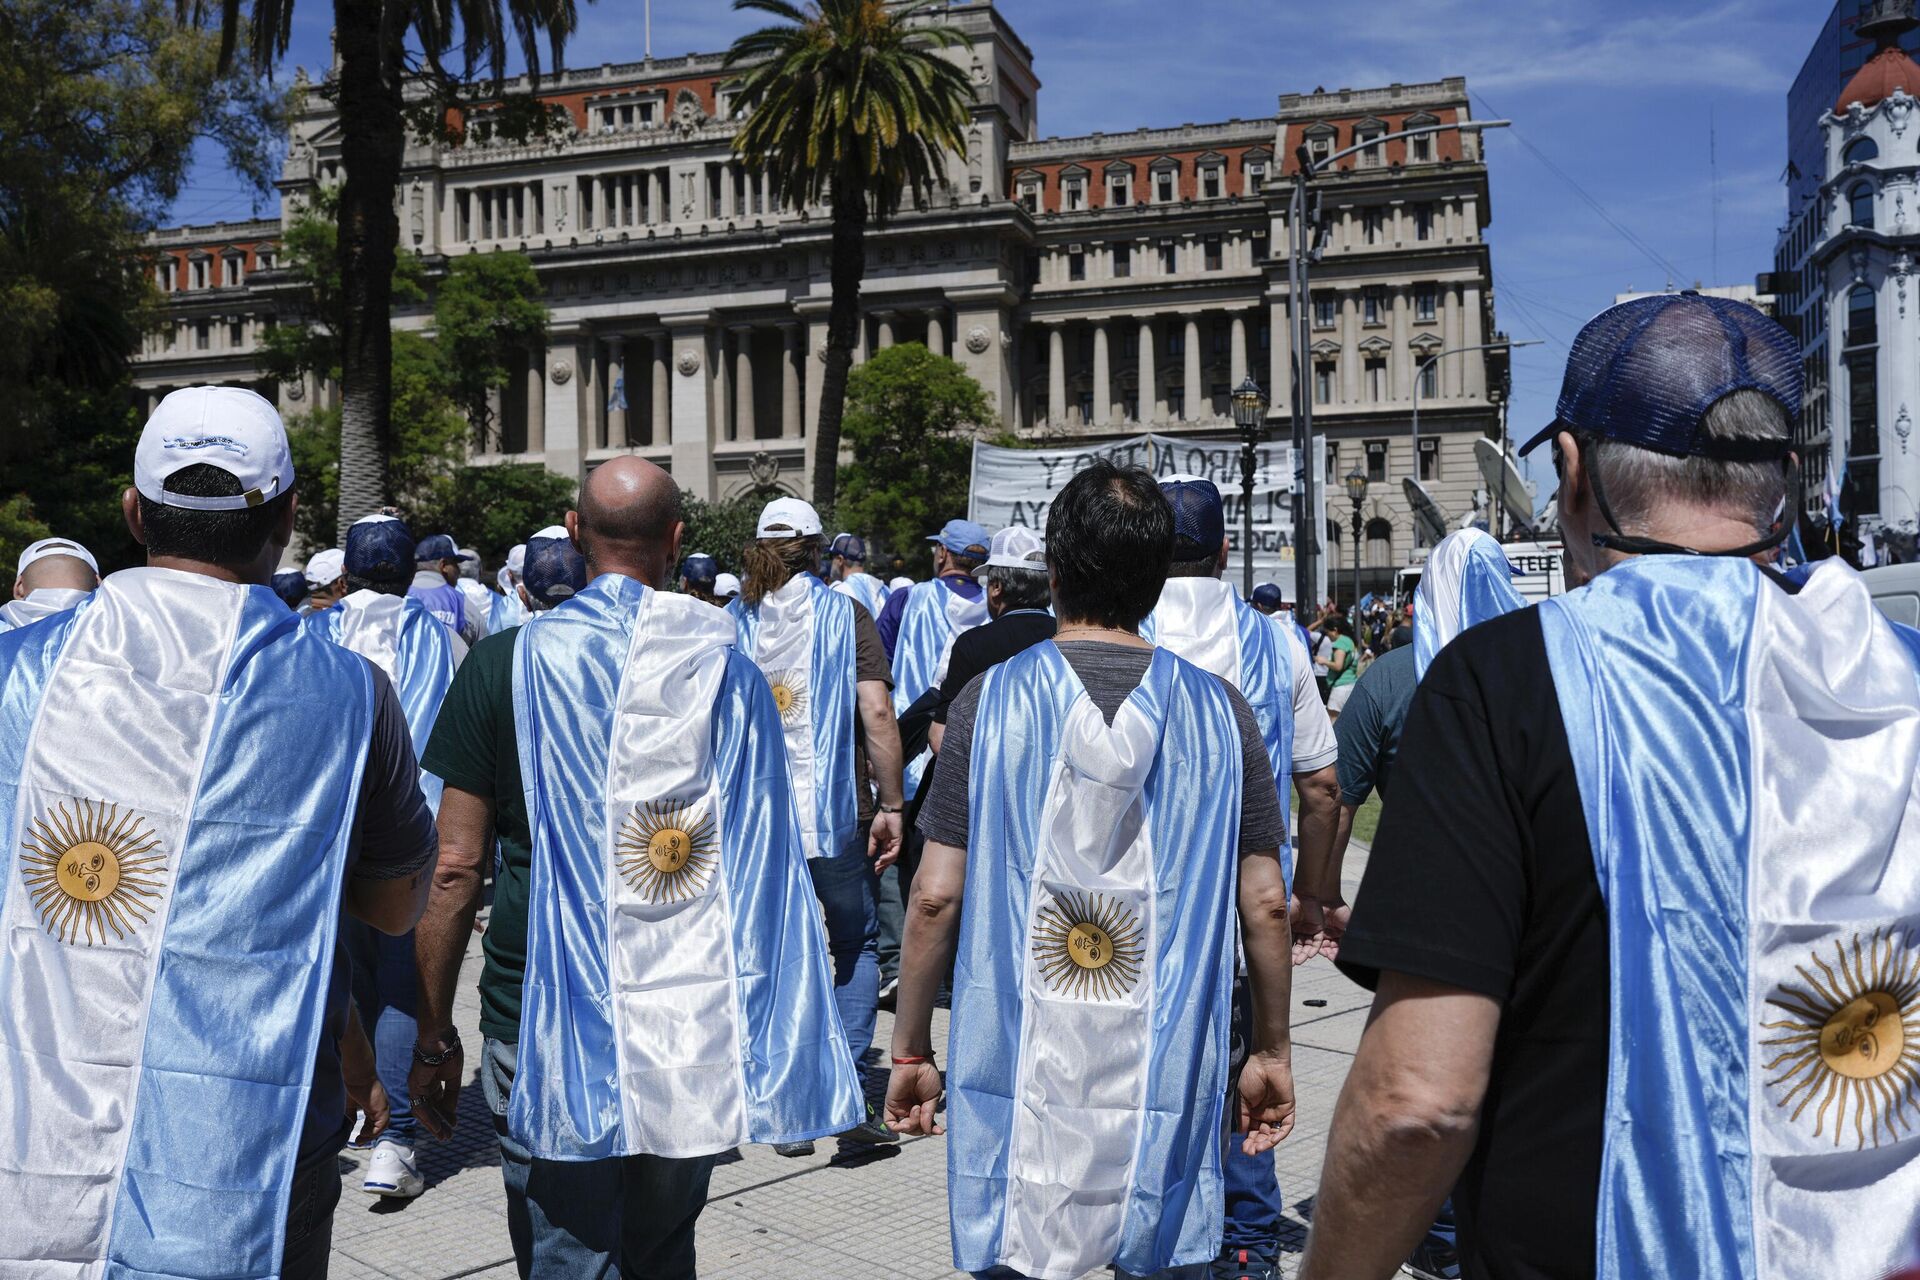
1863	408
1424	303
1430	380
1370	303
1372	222
1376	381
1163	186
1376	460
1256	176
1169	263
1862	320
1860	204
1210	182
1030	196
236	334
1076	265
1122	261
202	335
1429	459
168	274
1420	149
1321	147
1119	189
1323	383
1859	151
1324	311
1218	338
1076	195
199	270
1214	260
1369	158
1176	340
1130	342
1379	544
1176	402
1860	496
1423	222
1086	407
233	270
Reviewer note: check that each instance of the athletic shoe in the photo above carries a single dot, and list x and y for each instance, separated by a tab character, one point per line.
1433	1260
391	1172
889	990
869	1132
1237	1262
793	1148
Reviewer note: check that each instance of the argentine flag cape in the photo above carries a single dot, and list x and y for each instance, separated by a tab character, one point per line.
1091	998
1748	760
36	605
169	938
933	616
506	611
678	1000
401	637
1206	622
1467	581
801	638
865	588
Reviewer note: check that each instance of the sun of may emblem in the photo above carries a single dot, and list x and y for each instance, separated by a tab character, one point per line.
789	694
91	870
1852	1038
666	851
1089	946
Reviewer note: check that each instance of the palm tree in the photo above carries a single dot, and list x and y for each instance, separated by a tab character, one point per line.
375	66
848	100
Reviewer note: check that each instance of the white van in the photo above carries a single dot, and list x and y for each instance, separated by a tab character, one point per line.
1896	590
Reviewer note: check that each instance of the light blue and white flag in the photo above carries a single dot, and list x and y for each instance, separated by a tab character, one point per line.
867	589
1095	968
935	614
169	936
678	997
401	636
801	638
1205	621
38	605
1748	757
1467	580
506	611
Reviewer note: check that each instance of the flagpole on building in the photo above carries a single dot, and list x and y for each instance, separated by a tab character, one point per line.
649	30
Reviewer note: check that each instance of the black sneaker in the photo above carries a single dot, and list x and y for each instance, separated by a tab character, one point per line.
1433	1260
869	1132
1238	1262
889	992
793	1148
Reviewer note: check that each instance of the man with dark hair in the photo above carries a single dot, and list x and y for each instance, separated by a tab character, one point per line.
1667	820
1126	800
668	964
171	890
847	571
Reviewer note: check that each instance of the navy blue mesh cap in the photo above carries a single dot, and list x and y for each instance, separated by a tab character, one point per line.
291	587
436	546
699	568
379	548
1267	594
555	572
1199	521
850	546
1646	372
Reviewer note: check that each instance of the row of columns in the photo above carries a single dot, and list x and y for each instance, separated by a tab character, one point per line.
646	197
1195	406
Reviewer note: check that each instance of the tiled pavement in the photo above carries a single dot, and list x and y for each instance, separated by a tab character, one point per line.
770	1217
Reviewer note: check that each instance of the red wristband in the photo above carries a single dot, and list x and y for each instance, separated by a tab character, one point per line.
912	1062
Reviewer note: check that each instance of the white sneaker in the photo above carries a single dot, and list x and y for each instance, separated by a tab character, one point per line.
391	1172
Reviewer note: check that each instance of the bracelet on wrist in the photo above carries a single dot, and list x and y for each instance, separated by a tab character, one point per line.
448	1047
892	808
913	1060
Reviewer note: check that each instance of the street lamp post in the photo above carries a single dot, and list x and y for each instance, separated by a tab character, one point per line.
1306	539
1420	381
1356	494
1249	413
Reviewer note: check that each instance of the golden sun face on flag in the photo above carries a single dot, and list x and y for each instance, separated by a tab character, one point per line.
666	851
1852	1039
789	694
91	870
1089	946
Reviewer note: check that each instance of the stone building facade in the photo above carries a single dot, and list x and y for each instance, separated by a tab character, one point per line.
1095	286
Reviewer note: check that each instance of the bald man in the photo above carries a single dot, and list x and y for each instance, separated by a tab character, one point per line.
658	780
53	575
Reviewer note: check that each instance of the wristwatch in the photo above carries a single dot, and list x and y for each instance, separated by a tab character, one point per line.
451	1047
891	808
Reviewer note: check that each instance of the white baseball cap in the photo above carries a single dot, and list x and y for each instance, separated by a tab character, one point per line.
551	531
900	583
55	547
726	586
1015	547
325	567
788	518
517	558
226	427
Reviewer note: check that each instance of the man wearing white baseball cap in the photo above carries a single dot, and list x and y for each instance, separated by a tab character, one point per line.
326	574
54	575
172	890
509	608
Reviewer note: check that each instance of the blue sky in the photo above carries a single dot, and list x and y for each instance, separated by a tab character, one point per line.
1622	94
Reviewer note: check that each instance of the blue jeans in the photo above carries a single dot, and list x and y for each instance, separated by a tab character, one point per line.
1252	1187
593	1219
893	919
384	992
845	886
1198	1271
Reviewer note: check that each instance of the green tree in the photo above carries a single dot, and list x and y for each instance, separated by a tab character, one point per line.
487	311
384	48
912	418
851	98
305	338
495	507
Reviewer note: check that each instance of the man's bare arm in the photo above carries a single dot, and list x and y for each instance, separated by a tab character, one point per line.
926	953
1316	868
1404	1127
439	945
391	906
882	734
1266	1082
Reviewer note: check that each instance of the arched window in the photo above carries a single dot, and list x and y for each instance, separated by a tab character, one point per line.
1859	151
1862	326
1860	204
1379	544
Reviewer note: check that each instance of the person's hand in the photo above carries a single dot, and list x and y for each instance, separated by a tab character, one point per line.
435	1090
1266	1100
913	1099
1318	925
883	840
366	1095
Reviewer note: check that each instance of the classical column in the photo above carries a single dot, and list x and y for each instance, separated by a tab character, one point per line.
609	203
1102	376
1279	355
536	398
1350	347
884	323
1195	392
720	385
1401	364
792	352
1149	389
497	415
1237	352
1189	252
661	424
937	332
1056	372
1450	334
1473	366
569	358
816	342
692	442
616	392
743	382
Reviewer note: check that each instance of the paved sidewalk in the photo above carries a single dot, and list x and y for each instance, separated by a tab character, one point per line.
799	1219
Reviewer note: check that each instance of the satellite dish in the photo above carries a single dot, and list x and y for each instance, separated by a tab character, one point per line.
1497	469
1429	521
